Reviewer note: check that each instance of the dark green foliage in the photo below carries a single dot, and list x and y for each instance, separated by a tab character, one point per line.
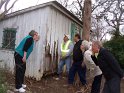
3	87
116	46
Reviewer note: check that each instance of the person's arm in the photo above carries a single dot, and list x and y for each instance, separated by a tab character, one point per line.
94	59
91	63
27	45
24	57
113	63
87	55
71	46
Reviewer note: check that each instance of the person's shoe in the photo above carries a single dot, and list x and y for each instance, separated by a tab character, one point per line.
21	90
59	77
23	85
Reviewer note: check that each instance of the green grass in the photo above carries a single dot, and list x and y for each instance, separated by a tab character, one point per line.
3	87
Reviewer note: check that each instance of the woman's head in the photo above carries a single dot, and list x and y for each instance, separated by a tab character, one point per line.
85	45
34	35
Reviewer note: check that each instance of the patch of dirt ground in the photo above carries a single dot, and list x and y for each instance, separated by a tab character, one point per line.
48	84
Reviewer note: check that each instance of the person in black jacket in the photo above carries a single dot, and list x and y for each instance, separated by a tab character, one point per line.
77	63
109	66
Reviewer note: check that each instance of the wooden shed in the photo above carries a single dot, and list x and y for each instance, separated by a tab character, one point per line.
51	20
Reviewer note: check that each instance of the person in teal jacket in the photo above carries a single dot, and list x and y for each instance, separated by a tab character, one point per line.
22	52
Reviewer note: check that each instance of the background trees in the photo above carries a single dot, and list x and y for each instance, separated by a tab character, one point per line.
7	6
107	16
116	46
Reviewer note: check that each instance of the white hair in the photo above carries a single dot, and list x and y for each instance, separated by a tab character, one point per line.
98	43
86	44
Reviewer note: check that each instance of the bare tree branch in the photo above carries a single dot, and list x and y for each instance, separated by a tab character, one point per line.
6	3
12	5
1	3
100	4
80	4
103	35
110	11
6	9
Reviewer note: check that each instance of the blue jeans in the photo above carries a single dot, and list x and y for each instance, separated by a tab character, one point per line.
77	67
61	64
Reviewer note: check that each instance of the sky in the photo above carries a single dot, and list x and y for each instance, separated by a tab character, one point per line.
21	4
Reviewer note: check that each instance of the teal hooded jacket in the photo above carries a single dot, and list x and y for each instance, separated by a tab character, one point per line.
20	47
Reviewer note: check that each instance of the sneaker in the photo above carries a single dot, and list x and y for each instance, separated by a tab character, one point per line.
23	85
20	90
59	76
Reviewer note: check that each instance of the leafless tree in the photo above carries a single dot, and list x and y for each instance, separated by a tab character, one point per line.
117	15
64	3
99	29
79	9
76	7
4	4
107	11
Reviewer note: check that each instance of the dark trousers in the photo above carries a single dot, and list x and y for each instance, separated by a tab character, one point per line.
20	68
96	84
77	67
112	85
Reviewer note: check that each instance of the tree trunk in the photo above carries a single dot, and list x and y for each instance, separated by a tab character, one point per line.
87	20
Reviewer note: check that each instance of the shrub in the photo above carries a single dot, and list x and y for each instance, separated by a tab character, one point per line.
116	46
3	88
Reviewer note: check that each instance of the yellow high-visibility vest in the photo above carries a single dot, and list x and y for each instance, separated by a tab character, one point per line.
64	48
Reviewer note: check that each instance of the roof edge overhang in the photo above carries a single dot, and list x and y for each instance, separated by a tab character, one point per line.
54	4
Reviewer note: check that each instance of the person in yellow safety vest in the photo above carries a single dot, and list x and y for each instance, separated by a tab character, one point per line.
66	54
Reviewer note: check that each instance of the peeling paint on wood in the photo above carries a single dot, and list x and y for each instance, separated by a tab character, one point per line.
51	26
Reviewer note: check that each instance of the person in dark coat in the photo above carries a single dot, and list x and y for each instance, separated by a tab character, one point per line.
109	66
77	63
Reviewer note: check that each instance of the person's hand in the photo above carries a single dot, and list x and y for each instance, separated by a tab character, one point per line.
62	57
24	59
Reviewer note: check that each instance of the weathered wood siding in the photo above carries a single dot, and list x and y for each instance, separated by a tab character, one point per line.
51	26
